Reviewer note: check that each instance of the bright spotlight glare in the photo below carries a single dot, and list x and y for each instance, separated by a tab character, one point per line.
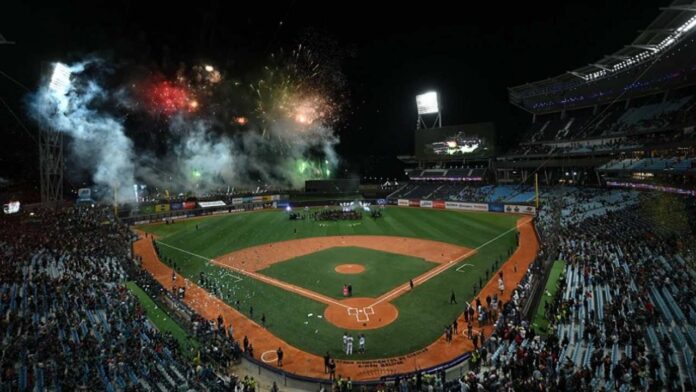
11	207
60	80
427	103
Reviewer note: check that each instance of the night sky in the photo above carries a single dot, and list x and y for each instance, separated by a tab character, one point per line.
392	52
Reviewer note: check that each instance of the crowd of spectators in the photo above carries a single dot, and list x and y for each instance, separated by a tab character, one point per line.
623	317
68	322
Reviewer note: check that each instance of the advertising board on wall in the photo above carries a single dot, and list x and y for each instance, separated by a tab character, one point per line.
460	205
520	209
438	204
209	204
496	207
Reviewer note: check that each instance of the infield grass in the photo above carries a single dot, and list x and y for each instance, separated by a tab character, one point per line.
423	312
317	271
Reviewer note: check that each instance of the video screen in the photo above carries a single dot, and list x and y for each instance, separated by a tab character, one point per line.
460	141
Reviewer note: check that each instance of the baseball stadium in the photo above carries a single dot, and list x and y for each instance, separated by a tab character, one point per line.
276	205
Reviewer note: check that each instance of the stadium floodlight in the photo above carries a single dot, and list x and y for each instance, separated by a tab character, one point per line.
60	80
427	103
11	207
648	50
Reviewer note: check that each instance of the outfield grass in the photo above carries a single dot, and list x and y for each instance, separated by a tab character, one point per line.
162	320
222	234
539	321
383	271
423	313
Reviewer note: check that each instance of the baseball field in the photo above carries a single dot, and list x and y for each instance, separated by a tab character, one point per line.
288	277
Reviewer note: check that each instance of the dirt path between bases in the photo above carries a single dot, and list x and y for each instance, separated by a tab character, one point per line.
258	257
311	365
350	313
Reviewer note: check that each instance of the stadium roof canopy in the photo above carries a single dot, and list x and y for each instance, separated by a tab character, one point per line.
665	48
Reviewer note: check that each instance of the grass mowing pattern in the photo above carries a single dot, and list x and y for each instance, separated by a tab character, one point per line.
383	271
539	321
423	313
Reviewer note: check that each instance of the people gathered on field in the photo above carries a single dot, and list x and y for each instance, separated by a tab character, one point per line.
623	316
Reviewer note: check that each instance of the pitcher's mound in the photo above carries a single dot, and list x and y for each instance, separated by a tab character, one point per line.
350	269
361	313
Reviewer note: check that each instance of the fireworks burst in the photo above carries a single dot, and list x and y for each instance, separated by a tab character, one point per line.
299	87
307	110
213	132
168	98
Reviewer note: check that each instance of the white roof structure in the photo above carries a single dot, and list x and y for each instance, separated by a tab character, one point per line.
673	28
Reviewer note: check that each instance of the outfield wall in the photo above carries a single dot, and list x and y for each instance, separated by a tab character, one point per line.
169	211
177	210
235	205
466	206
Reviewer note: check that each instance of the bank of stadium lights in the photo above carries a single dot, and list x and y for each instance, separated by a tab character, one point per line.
427	104
60	79
640	57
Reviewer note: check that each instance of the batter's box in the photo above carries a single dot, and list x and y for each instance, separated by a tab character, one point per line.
362	315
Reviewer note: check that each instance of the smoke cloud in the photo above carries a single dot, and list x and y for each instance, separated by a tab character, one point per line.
98	141
194	149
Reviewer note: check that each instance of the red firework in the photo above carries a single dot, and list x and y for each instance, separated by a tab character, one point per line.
168	98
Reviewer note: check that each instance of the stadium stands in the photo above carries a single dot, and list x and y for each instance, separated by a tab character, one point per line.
476	174
650	164
68	321
613	127
462	192
625	316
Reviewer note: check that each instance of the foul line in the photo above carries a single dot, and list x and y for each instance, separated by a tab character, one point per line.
459	269
436	271
329	301
194	255
265	279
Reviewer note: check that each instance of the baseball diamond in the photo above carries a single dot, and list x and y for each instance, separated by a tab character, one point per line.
256	196
245	266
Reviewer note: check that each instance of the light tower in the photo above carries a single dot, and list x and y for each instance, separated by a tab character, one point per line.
51	142
51	165
428	108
